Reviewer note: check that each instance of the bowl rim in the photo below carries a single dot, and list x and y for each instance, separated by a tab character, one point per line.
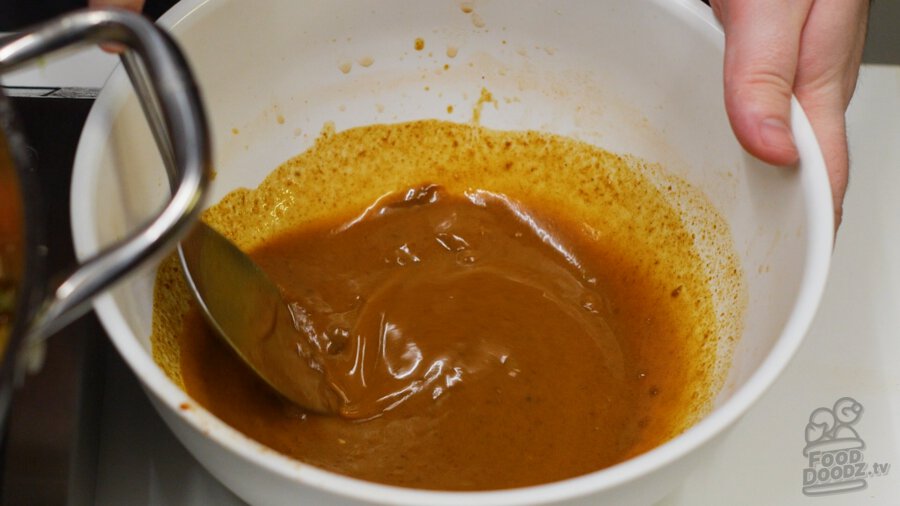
819	234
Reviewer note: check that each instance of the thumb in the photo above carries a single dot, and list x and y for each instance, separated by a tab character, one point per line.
762	40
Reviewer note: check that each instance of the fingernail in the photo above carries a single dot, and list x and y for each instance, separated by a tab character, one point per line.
775	134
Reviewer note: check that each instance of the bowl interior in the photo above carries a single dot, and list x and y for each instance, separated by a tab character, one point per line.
632	77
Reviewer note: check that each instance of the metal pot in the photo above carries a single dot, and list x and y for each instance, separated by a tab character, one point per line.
30	308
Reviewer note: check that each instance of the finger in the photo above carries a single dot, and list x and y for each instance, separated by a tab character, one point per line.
133	5
827	69
762	39
826	115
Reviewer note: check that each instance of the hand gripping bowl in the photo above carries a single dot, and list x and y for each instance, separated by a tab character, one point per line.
639	77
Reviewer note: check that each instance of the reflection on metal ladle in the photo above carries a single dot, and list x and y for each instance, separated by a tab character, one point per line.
236	297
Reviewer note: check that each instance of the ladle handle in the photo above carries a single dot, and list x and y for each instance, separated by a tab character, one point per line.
174	96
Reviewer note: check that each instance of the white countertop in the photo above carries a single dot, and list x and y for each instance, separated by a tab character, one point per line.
852	351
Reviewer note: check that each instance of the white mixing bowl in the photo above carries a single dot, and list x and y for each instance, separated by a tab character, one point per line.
640	77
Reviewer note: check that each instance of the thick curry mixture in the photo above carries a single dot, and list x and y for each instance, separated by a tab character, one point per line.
497	309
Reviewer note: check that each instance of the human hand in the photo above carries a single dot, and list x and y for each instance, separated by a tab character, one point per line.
132	5
811	48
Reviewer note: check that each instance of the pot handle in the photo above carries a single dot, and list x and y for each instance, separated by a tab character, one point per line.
175	100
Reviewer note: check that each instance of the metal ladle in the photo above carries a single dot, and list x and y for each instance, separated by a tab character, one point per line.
236	297
39	310
238	300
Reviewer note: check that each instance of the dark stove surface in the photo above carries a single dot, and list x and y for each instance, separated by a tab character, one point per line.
49	451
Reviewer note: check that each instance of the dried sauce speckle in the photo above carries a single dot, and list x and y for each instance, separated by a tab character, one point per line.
484	98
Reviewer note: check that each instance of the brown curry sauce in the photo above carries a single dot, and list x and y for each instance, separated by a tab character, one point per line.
481	339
